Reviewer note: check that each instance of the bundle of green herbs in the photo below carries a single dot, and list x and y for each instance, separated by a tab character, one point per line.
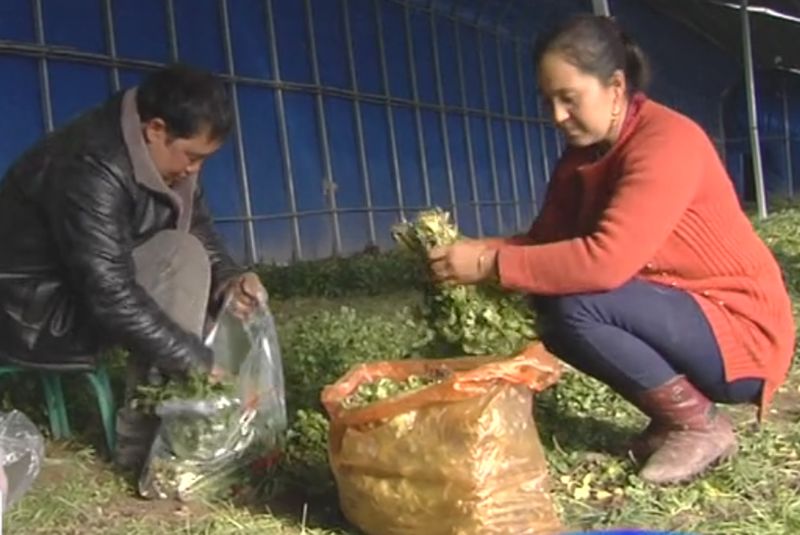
480	319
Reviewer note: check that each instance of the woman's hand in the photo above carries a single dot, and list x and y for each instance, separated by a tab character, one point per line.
464	262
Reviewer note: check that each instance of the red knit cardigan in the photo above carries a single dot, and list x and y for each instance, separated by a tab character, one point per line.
660	206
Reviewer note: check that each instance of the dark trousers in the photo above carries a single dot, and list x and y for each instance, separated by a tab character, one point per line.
638	337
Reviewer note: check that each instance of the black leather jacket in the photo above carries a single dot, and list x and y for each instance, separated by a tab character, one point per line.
71	213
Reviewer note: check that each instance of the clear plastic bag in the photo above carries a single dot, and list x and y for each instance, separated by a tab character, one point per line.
203	446
21	455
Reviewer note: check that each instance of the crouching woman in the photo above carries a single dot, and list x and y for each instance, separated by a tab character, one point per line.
644	271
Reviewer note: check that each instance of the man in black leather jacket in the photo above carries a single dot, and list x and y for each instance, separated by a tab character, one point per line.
106	240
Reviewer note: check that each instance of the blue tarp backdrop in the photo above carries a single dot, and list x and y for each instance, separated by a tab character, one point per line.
354	113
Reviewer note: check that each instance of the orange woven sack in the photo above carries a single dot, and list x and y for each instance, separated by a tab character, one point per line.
458	457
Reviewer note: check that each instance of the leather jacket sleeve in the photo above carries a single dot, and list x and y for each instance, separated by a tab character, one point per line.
223	268
89	209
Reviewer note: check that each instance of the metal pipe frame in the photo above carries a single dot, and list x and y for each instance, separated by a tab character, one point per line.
250	229
443	117
512	163
284	134
543	141
362	151
752	113
451	16
172	29
111	42
528	150
90	58
43	53
412	66
398	178
787	133
722	141
600	7
361	210
329	184
44	72
490	136
468	134
557	136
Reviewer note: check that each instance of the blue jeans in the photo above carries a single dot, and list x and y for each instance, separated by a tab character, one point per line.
638	337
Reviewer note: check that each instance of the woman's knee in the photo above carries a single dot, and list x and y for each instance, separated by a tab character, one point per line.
562	312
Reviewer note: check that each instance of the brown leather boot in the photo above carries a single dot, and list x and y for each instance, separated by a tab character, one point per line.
648	441
697	435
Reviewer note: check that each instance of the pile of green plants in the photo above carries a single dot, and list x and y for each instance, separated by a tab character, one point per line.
480	319
385	388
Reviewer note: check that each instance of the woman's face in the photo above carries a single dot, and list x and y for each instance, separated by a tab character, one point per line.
585	108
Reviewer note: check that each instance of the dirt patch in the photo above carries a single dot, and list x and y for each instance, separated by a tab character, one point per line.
64	463
786	406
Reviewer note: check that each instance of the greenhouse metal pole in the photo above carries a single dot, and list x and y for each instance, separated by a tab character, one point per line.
328	183
387	90
523	106
44	74
787	135
412	65
283	134
752	114
448	157
600	7
241	161
111	42
476	201
498	209
362	151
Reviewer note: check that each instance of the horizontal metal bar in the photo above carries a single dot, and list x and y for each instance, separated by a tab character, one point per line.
361	210
760	137
70	54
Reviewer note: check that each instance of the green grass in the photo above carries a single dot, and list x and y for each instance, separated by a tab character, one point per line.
582	425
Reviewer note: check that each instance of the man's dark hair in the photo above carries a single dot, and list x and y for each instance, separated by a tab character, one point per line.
187	100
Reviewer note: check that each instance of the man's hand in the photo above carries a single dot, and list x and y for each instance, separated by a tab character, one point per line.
246	294
464	262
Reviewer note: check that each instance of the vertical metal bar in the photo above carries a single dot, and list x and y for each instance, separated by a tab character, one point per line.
512	164
172	29
468	133
284	133
752	114
398	179
448	157
329	184
524	109
250	229
412	65
787	138
543	140
490	135
721	116
44	73
557	136
362	151
600	7
111	43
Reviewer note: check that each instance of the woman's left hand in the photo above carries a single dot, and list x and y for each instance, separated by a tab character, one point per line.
464	262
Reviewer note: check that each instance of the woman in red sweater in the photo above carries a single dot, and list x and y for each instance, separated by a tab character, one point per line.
644	270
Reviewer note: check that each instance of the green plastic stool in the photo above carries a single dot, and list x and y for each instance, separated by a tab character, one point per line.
56	405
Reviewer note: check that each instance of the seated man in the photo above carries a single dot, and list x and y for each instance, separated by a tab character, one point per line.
105	240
